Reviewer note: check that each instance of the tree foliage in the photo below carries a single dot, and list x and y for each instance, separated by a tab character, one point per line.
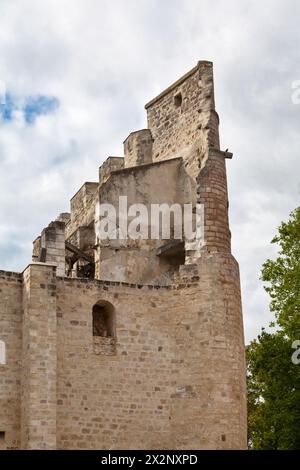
273	378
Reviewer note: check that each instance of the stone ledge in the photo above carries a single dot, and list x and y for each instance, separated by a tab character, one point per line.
178	82
103	282
144	166
37	263
10	274
226	154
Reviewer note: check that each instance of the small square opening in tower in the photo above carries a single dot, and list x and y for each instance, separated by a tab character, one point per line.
178	100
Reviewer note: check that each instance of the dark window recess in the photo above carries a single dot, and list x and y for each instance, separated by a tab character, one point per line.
103	320
2	435
178	100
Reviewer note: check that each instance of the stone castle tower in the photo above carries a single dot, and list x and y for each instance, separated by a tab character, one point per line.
135	344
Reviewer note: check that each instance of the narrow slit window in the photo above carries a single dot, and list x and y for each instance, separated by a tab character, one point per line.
178	100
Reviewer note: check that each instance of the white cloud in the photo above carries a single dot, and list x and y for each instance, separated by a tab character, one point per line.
103	60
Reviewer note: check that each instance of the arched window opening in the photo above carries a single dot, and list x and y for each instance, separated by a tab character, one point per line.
2	353
104	329
104	320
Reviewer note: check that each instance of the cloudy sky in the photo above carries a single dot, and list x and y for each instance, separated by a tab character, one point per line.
76	76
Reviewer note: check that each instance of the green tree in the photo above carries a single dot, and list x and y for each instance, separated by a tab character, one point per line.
273	378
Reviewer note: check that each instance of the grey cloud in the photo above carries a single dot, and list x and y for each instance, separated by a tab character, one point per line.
103	60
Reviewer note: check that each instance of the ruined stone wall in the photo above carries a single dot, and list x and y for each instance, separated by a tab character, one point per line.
138	148
163	182
176	380
82	208
169	371
10	372
108	166
53	242
173	380
183	120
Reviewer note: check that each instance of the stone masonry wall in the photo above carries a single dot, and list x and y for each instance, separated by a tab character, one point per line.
209	409
53	242
10	373
117	401
108	166
183	120
176	380
162	182
82	208
39	358
138	148
212	194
